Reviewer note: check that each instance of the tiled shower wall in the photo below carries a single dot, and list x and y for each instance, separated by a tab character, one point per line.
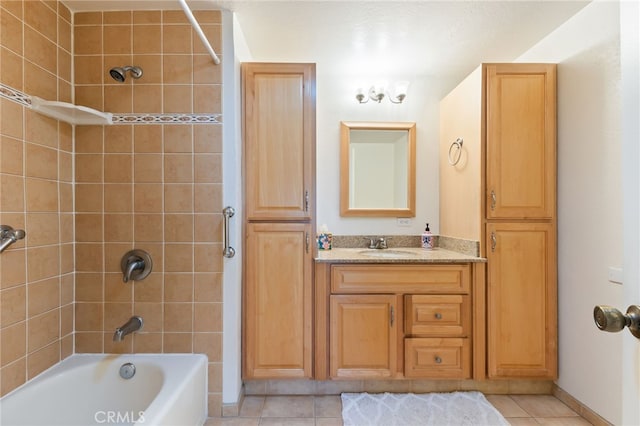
36	173
156	187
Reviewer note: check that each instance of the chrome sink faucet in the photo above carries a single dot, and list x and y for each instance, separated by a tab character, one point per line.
378	243
134	324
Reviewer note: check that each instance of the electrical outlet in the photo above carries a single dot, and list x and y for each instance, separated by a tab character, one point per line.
403	221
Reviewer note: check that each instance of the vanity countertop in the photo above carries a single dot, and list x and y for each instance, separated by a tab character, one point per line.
394	255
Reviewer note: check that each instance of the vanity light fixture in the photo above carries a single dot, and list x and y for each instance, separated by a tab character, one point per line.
377	93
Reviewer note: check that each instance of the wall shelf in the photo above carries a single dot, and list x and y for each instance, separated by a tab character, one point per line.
70	113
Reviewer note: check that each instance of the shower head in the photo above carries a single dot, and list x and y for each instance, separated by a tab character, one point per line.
119	73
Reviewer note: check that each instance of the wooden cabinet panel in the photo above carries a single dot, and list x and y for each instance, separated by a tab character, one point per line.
400	278
279	205
363	336
522	300
278	301
461	197
279	140
521	141
448	315
437	358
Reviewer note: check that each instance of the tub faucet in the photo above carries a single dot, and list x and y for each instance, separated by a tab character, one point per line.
134	324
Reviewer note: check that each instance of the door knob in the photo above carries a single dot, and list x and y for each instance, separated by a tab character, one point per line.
610	319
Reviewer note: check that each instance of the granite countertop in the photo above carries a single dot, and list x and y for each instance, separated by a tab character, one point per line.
394	255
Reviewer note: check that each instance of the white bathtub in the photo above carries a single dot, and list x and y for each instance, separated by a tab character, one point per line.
86	389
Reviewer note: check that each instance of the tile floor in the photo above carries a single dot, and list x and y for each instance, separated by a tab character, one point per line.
326	411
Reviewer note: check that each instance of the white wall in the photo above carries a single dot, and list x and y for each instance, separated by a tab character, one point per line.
234	52
336	102
590	238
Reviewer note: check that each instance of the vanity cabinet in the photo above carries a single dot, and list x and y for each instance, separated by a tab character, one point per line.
499	187
396	320
279	219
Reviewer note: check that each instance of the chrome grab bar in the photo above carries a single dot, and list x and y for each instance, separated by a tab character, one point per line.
228	213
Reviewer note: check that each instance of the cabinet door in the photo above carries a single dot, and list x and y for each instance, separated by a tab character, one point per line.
521	141
279	135
278	301
363	336
522	300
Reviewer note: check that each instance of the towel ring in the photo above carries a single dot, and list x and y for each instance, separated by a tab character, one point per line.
457	153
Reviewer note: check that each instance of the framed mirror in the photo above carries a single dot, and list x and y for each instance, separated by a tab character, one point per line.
377	169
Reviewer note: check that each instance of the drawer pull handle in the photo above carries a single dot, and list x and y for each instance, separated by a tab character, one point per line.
438	315
438	360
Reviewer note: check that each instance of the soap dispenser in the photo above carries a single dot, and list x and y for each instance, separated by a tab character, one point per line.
427	238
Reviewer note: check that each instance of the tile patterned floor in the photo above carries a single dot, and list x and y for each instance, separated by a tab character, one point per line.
519	410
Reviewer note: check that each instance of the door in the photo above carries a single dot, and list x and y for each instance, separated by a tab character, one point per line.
630	91
363	336
278	301
522	300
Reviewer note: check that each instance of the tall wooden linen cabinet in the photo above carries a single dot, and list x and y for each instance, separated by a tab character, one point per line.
498	186
279	218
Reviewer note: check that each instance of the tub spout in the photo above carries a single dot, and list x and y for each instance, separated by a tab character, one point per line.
134	324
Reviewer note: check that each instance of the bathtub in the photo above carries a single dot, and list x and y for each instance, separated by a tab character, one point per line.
86	389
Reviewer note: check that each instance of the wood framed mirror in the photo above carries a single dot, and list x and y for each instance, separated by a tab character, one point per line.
377	169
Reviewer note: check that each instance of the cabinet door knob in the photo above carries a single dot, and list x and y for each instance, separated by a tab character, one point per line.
494	200
494	241
438	315
438	360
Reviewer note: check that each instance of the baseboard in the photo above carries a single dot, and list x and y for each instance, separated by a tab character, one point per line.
584	411
335	387
233	409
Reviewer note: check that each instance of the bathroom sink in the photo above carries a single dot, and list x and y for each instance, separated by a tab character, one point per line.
388	254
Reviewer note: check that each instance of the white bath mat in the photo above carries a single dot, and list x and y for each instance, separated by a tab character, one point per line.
408	409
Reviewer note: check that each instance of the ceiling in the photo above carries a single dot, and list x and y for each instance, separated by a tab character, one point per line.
412	38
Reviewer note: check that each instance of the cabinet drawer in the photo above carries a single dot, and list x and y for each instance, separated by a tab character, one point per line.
387	278
437	315
446	358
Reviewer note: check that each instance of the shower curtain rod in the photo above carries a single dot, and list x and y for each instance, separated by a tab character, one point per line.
198	30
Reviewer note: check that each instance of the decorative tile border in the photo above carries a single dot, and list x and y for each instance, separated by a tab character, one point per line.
167	118
23	99
14	95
